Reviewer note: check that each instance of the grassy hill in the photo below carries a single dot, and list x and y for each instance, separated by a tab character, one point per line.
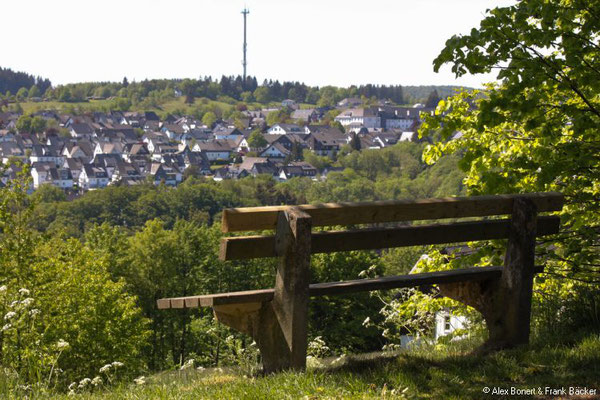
429	372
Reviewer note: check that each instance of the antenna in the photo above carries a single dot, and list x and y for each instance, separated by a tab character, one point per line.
244	63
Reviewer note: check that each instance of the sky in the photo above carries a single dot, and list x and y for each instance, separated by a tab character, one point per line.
318	42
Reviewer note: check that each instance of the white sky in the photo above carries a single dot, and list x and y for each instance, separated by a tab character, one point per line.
319	42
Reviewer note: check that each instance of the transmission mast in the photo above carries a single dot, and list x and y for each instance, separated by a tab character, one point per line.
244	63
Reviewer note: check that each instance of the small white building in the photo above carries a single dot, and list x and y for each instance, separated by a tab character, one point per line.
446	323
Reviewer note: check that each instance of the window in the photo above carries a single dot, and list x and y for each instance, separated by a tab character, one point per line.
447	323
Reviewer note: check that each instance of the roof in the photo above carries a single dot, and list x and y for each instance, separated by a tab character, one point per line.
215	146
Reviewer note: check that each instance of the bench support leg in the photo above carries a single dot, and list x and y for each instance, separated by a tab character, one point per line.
506	303
290	300
258	320
280	327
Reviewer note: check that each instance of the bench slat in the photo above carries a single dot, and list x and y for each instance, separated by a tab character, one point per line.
337	288
330	214
246	247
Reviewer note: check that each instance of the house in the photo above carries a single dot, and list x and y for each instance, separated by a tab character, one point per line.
446	323
75	165
297	169
368	117
162	173
228	172
350	102
82	149
9	150
108	148
275	150
288	103
227	134
162	149
173	131
326	141
216	150
196	160
93	177
45	153
81	130
126	173
308	115
286	129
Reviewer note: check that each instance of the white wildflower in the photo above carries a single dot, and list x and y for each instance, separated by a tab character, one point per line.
140	380
3	288
6	327
14	304
34	312
188	364
27	302
62	344
117	364
97	381
201	368
106	368
366	321
84	382
72	386
10	315
24	292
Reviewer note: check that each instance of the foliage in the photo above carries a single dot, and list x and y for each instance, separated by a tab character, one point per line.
14	81
256	140
535	131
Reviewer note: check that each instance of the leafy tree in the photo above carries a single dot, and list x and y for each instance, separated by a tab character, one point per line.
433	99
209	119
24	124
262	95
535	131
22	94
257	140
34	91
38	124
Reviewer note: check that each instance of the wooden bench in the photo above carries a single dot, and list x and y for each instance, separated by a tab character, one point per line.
277	319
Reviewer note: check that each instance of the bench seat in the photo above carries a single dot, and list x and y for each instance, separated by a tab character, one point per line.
337	288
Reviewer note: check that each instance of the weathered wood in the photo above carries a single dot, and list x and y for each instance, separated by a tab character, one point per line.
505	303
290	298
329	214
346	287
246	247
259	321
517	275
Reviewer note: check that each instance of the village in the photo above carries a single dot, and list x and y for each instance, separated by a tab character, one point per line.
90	151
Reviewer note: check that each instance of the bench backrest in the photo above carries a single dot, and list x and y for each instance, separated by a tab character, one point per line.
334	214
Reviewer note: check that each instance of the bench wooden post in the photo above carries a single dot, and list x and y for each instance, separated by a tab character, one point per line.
517	276
290	299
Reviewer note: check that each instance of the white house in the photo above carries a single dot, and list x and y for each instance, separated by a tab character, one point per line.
217	150
275	150
286	129
92	177
367	117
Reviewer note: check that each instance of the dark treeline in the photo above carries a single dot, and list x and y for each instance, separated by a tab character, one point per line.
232	87
227	88
13	81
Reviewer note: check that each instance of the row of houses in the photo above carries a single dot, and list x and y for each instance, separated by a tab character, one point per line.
94	150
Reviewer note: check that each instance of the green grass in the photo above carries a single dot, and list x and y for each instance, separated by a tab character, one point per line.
426	373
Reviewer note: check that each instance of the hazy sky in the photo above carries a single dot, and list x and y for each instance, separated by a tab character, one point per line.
318	42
